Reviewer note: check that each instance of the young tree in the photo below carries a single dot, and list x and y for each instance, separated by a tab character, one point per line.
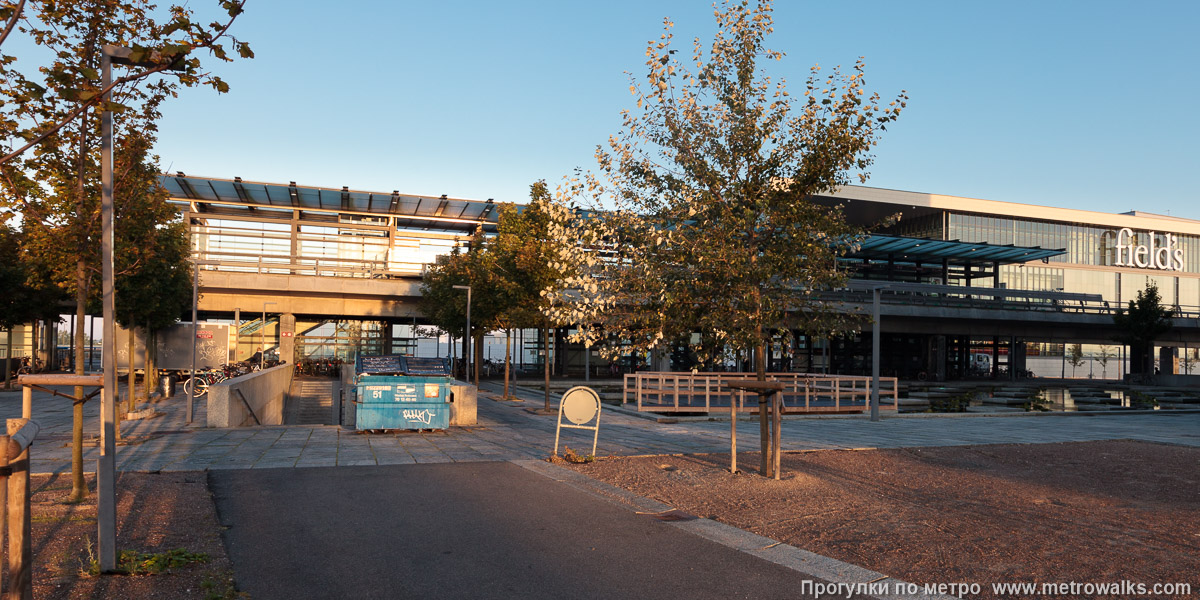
70	86
57	114
1075	357
1143	322
525	250
24	296
446	307
152	248
1106	354
710	226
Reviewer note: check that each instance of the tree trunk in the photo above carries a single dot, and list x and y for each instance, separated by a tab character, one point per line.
8	360
465	343
33	346
764	424
145	395
507	359
151	377
546	363
79	489
478	358
132	381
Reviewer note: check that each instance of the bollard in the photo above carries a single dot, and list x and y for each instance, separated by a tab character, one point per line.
20	551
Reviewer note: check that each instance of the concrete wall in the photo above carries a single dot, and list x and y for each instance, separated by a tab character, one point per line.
222	291
348	396
264	392
463	404
1177	380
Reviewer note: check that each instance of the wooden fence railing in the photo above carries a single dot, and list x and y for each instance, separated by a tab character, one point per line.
667	391
14	498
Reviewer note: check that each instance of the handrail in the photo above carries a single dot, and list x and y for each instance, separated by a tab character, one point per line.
19	442
974	300
15	502
670	391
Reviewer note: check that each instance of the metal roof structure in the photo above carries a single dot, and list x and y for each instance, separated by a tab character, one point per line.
885	247
415	211
460	215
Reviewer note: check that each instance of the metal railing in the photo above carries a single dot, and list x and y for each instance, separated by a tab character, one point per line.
15	498
320	267
978	300
668	391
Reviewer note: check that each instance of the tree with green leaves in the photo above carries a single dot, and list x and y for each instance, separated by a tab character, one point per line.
24	295
50	120
1145	320
704	217
154	285
446	307
1075	357
164	42
525	250
1106	354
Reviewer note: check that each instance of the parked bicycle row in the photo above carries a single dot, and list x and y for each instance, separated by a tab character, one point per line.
198	385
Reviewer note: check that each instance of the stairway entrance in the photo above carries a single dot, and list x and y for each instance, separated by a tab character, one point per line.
311	401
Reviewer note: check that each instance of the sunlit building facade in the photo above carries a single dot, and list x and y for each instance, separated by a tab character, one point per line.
337	272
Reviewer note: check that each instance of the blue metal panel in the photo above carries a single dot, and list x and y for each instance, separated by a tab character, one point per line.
415	415
399	402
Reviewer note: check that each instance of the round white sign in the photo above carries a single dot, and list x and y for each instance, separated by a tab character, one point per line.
580	404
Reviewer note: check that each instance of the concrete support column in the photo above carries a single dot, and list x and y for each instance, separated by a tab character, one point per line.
1016	357
385	330
995	357
234	351
1166	360
287	338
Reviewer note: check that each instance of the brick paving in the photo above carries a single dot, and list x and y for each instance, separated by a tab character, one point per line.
507	431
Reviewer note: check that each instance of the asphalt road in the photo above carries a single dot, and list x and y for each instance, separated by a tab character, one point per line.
464	530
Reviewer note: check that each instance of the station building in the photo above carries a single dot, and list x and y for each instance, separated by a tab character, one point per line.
336	272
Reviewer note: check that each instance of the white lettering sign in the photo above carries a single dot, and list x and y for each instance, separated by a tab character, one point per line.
1167	257
423	416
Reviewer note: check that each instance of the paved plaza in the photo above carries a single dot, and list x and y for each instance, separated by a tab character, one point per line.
507	431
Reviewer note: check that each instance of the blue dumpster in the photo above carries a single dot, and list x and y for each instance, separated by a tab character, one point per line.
401	392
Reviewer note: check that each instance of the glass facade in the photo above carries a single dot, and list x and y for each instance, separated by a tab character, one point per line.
1086	245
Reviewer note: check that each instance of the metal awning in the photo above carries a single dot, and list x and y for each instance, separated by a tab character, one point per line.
417	211
890	247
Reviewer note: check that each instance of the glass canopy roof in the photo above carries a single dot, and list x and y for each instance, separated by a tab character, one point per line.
441	212
883	247
458	214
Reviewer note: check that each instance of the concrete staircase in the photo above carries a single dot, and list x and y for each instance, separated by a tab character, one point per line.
311	402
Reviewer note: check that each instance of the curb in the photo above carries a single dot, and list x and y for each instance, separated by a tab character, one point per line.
805	563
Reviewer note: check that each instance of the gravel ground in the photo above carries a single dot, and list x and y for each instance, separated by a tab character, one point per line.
1070	512
155	513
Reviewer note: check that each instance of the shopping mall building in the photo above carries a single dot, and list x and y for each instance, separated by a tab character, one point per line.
970	288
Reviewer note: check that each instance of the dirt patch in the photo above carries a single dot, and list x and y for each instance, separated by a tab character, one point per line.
1069	512
156	514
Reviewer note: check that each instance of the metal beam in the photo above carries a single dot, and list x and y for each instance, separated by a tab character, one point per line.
928	288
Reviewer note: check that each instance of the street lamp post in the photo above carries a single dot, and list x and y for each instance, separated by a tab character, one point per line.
106	507
470	340
196	263
875	355
262	331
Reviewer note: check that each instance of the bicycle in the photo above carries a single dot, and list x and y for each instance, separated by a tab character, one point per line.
198	384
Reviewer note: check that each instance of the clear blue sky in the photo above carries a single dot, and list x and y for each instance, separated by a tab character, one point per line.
1081	105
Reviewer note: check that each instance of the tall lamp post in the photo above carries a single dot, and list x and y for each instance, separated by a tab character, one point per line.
106	507
196	264
875	326
470	340
262	331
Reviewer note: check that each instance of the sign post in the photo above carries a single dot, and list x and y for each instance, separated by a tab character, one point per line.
581	406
